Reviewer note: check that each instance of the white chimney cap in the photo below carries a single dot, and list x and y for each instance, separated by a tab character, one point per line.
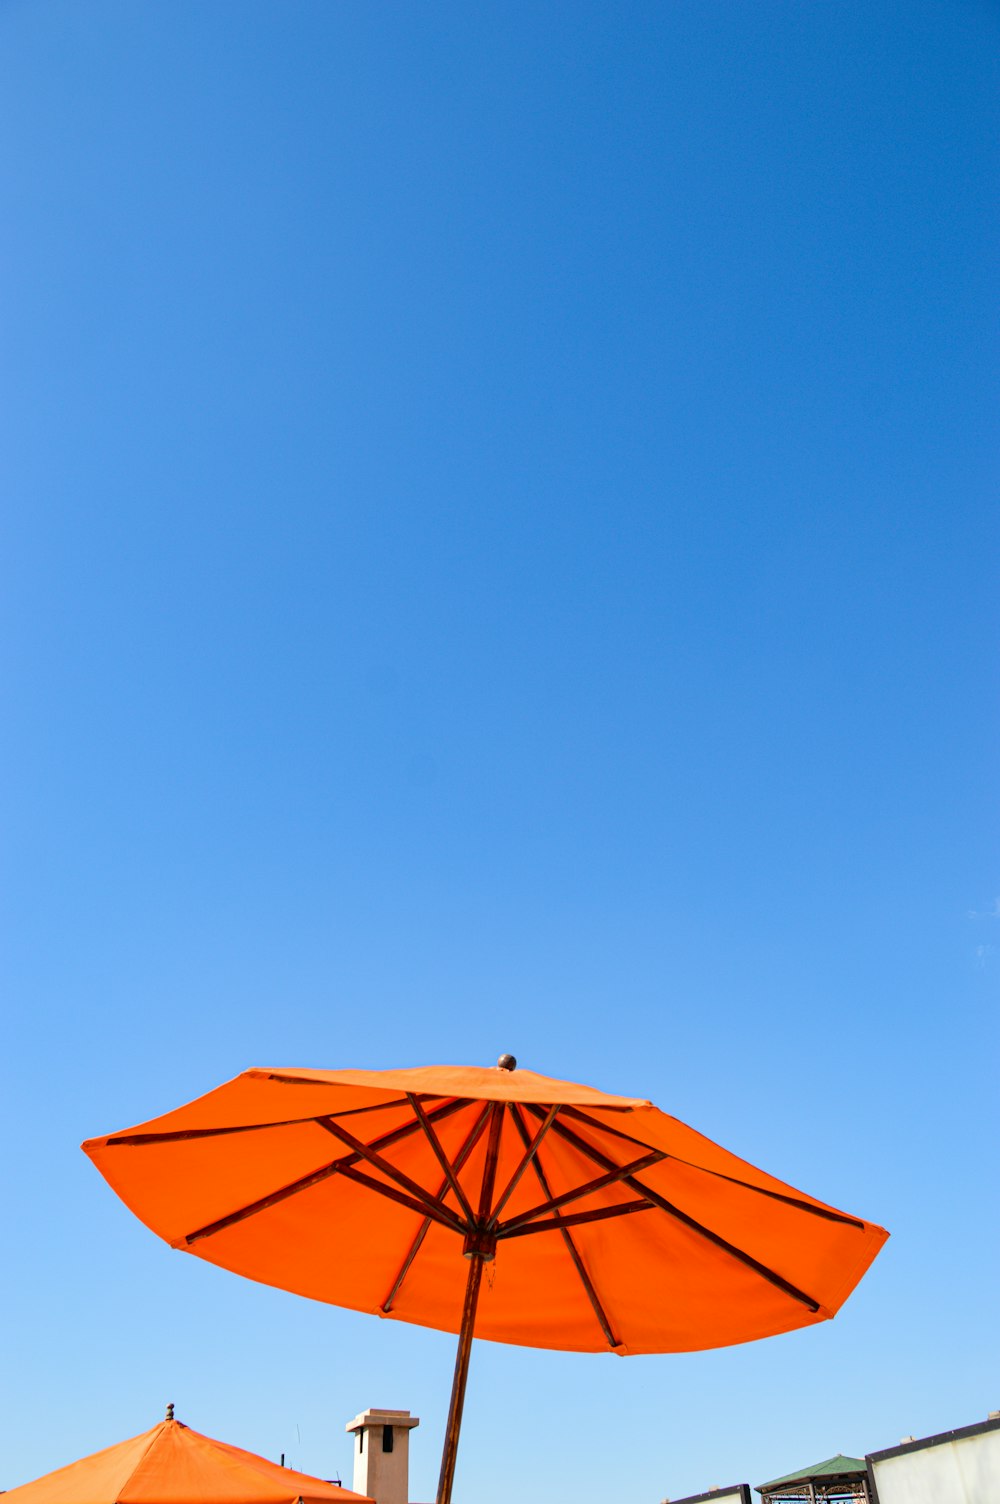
401	1418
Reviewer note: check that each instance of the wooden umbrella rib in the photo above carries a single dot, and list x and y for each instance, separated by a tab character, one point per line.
264	1202
303	1183
578	1219
441	1157
528	1155
740	1254
406	1265
392	1193
348	1112
579	1116
431	1203
825	1213
828	1213
424	1228
567	1237
492	1159
178	1135
612	1177
764	1270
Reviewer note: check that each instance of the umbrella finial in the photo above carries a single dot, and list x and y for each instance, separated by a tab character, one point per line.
170	1412
507	1063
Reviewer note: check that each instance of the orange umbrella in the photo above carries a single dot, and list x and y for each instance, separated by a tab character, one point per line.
620	1227
172	1464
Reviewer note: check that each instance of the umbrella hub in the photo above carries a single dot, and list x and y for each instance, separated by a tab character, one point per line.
480	1244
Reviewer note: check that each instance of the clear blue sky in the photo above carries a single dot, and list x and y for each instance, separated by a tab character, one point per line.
500	553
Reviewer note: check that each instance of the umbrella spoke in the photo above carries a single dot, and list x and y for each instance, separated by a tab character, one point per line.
303	1183
264	1202
442	1158
432	1204
178	1135
571	1248
420	1206
611	1178
415	1246
826	1212
346	1112
740	1254
488	1181
577	1219
529	1154
404	1268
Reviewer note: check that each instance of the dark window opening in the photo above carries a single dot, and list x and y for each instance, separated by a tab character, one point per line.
387	1438
361	1441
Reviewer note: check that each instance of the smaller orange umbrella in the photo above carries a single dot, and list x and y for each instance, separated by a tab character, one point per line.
172	1464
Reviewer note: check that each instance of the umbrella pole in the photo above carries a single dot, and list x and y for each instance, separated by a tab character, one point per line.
454	1425
480	1247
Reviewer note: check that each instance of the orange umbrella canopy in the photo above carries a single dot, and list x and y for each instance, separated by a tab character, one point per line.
606	1223
172	1464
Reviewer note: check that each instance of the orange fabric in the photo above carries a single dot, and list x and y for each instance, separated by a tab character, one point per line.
662	1284
171	1464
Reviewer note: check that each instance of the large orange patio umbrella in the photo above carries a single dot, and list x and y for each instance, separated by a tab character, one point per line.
171	1464
607	1224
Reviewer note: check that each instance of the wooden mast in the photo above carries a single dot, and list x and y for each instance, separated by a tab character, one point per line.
480	1248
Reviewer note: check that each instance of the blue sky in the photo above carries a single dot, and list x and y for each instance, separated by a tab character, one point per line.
498	517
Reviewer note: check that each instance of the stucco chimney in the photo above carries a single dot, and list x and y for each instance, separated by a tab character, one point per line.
382	1454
